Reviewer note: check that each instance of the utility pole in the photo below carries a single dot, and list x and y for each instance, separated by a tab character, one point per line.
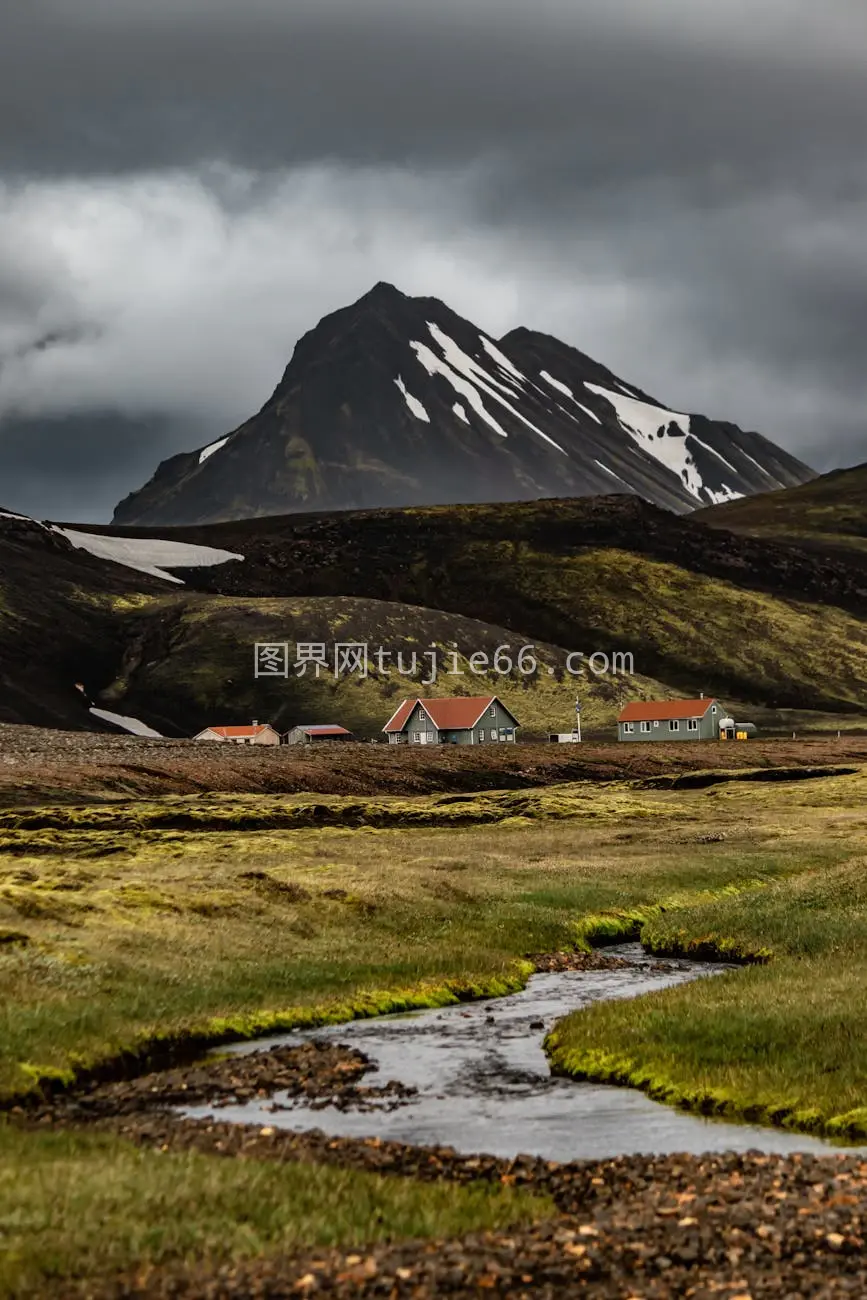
578	718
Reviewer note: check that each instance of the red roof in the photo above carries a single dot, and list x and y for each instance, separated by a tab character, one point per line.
228	732
324	729
663	710
458	713
397	721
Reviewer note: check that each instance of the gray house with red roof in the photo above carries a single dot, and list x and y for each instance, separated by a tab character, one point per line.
669	720
459	720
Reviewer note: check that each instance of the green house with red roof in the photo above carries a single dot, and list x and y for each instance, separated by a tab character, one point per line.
671	720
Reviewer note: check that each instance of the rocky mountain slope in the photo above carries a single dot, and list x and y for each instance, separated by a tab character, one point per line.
397	401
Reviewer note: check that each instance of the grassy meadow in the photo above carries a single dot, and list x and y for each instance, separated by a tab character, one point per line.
215	917
783	1041
69	1199
129	926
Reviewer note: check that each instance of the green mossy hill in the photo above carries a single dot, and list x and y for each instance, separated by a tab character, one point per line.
759	624
190	660
697	609
828	513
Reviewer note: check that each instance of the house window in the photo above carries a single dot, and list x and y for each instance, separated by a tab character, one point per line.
645	726
416	735
673	724
493	710
692	724
628	728
481	735
494	735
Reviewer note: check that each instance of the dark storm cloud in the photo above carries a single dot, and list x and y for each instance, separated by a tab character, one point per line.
138	85
677	188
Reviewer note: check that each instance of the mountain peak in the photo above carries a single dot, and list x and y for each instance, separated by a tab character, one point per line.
382	292
399	401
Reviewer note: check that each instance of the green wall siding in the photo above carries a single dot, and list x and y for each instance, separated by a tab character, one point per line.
708	729
418	723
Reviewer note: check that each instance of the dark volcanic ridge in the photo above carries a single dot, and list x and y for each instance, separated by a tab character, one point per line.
398	401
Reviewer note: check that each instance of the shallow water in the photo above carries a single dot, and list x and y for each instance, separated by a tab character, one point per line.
484	1085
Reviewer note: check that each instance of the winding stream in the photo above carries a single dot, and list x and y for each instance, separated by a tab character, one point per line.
484	1086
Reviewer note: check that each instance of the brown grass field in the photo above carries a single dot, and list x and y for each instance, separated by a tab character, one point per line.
38	765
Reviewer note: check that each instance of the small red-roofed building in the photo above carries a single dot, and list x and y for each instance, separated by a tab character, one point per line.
667	720
255	734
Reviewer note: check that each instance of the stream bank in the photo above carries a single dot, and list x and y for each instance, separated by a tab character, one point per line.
474	1077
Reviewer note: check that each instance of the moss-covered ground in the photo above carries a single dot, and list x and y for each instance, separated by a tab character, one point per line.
133	927
828	512
782	1042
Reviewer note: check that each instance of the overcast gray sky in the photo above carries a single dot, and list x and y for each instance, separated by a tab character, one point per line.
186	186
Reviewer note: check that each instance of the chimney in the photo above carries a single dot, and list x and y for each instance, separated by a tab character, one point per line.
255	722
701	697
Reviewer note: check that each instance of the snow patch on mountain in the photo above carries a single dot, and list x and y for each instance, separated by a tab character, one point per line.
434	365
556	383
147	555
24	519
501	359
725	493
767	473
651	427
132	725
472	371
611	472
463	363
415	406
460	412
209	451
